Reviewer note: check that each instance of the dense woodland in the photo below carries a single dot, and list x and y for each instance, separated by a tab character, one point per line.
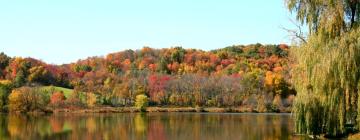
253	76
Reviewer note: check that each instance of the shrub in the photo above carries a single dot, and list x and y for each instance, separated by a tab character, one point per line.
26	99
173	99
74	101
261	105
57	99
91	99
277	103
141	102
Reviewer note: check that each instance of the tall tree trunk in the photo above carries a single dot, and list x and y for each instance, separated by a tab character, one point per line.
353	4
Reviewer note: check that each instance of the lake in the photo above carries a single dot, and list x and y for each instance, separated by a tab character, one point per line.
150	126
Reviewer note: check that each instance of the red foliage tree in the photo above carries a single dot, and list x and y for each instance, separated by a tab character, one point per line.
152	67
157	84
57	98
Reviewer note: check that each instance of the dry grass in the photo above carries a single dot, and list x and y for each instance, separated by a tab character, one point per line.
354	137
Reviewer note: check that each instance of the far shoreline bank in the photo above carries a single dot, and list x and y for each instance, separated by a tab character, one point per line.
150	110
167	109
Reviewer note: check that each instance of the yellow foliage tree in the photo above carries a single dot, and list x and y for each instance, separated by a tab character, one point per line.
26	99
91	99
141	102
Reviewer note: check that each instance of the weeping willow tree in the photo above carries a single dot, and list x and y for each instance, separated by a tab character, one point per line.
329	18
327	71
326	78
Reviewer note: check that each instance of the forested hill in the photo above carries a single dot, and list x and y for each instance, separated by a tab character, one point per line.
233	76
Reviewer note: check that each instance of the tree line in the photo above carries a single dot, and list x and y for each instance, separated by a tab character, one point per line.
255	76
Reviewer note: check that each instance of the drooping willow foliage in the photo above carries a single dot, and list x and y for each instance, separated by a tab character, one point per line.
330	18
327	79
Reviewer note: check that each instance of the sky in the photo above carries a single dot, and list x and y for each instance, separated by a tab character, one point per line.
63	31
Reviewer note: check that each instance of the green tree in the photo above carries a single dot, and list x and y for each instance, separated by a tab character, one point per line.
83	68
178	54
162	65
4	93
39	74
4	62
329	17
20	79
327	74
327	79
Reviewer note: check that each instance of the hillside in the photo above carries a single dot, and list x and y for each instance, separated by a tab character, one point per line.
254	76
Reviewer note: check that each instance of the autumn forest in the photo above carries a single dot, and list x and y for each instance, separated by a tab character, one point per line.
254	77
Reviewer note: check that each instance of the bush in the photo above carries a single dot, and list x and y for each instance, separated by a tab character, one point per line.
57	99
91	99
26	99
141	102
173	99
277	104
74	101
261	104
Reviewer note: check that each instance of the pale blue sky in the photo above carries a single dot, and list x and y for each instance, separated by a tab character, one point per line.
63	31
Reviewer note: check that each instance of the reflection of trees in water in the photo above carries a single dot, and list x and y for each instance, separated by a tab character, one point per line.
140	124
152	126
30	127
156	130
229	126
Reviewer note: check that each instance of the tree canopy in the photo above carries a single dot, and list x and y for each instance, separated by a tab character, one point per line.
329	17
326	75
227	77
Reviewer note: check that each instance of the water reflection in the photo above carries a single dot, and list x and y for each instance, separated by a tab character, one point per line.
152	126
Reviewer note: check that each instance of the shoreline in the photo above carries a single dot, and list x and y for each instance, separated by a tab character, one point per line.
166	109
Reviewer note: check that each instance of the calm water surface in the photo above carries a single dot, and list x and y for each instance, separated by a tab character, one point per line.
151	126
